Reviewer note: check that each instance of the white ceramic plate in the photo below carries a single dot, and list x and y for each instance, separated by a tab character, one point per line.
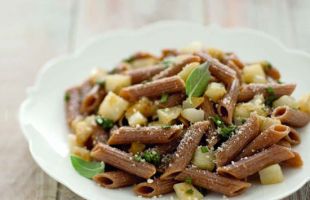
42	113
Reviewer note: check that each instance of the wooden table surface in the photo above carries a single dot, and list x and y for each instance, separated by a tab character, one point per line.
33	31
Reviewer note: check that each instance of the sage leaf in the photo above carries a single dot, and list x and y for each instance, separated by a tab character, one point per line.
86	168
198	80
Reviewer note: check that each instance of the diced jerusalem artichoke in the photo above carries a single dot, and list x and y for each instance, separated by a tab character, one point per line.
286	101
304	103
115	82
204	160
113	107
185	191
194	102
215	91
136	119
166	115
254	74
192	114
271	175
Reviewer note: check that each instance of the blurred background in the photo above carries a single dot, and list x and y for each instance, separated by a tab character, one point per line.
34	31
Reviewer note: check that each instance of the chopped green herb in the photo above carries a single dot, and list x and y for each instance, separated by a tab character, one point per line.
167	63
104	123
198	80
86	168
227	131
165	126
270	96
138	158
189	180
189	191
67	97
217	120
204	149
150	156
164	98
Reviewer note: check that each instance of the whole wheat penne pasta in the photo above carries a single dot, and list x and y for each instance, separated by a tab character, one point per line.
211	135
270	136
85	88
116	179
173	100
144	135
249	166
186	149
294	162
176	67
155	187
122	160
141	74
92	100
230	149
293	137
214	182
234	67
247	92
170	146
153	89
72	104
284	143
291	116
99	135
233	58
226	106
168	52
217	69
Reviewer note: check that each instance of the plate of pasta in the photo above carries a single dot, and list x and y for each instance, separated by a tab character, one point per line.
150	113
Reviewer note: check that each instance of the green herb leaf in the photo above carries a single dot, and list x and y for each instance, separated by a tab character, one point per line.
104	123
150	156
227	131
164	98
130	59
217	120
189	180
270	96
198	80
165	126
67	97
189	191
204	149
85	168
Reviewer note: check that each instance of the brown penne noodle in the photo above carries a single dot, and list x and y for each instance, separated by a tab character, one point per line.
230	149
173	100
177	67
293	137
153	89
72	104
291	116
218	70
284	143
155	187
142	74
168	52
122	160
226	106
214	182
234	67
116	179
247	92
234	59
170	146
99	136
249	166
85	88
144	135
186	149
295	162
92	100
270	136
